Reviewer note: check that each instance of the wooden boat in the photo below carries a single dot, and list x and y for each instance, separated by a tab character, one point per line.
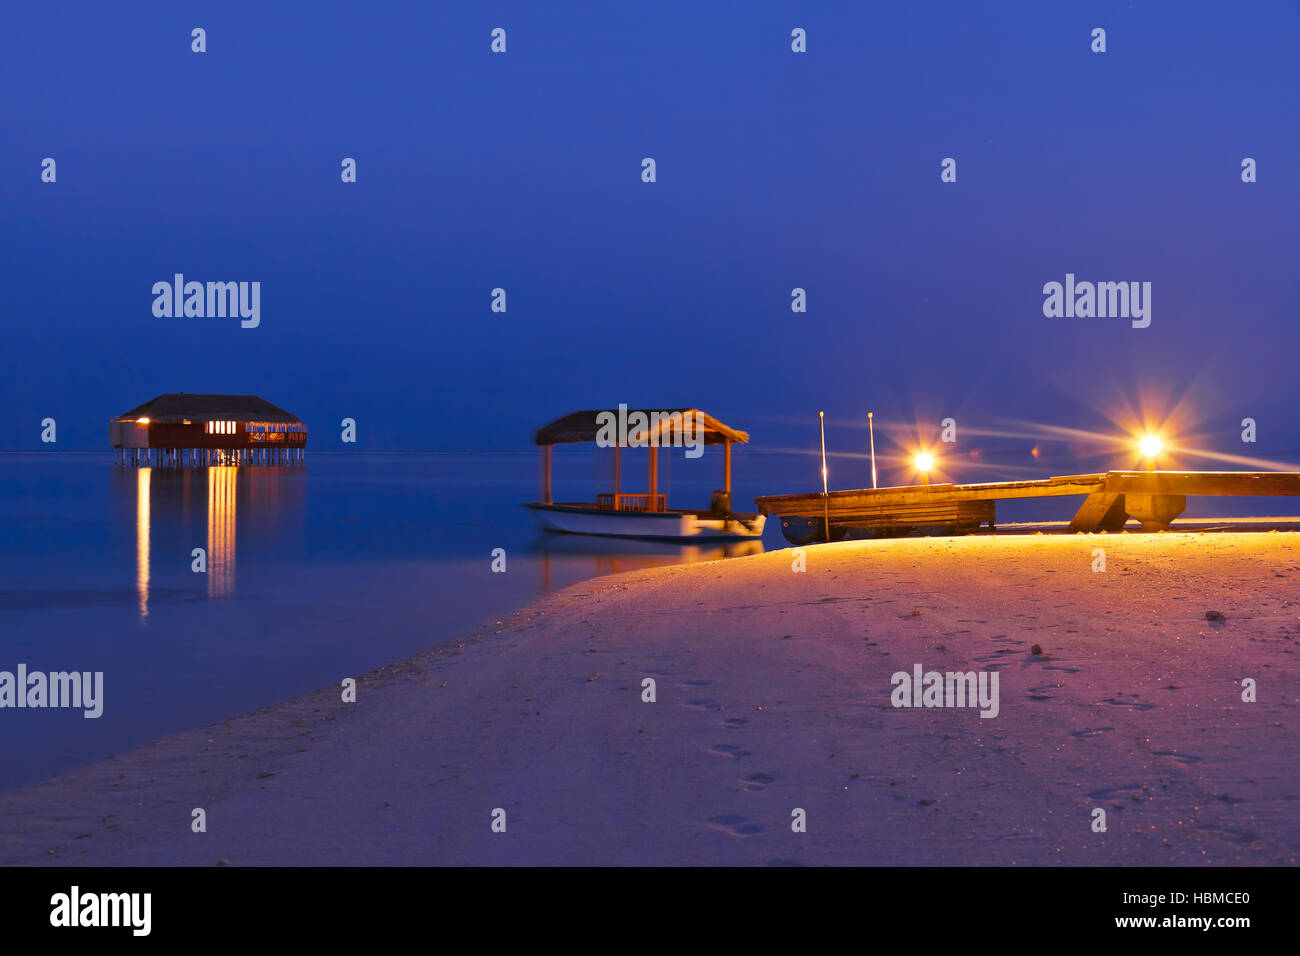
646	514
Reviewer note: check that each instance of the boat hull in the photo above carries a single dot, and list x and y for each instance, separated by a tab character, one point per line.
649	525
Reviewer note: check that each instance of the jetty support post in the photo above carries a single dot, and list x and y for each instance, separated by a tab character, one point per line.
1155	512
1100	512
726	466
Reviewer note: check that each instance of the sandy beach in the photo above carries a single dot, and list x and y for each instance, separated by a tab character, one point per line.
773	692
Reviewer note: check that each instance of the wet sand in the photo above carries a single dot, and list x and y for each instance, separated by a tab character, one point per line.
773	693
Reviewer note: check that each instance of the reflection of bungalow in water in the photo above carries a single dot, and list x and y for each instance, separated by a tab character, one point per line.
181	429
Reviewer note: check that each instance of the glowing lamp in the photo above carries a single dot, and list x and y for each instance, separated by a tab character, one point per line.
142	421
1149	446
924	461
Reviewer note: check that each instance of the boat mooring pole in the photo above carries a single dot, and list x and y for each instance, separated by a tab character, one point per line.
871	428
546	480
826	520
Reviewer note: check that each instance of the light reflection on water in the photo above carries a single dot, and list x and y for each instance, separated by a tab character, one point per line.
142	539
222	511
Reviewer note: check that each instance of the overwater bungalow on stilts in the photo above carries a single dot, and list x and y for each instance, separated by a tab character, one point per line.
181	429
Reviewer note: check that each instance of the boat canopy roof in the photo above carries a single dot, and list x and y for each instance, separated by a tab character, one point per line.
587	425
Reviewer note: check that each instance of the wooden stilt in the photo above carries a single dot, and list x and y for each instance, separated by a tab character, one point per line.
654	478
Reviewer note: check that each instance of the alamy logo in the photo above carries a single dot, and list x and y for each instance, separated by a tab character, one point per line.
1102	300
213	300
639	429
56	689
103	909
953	689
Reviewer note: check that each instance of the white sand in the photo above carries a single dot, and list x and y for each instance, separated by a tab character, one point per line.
773	693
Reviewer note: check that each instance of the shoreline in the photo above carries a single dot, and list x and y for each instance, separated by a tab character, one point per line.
772	693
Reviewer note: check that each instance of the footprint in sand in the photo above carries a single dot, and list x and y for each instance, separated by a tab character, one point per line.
1136	705
699	683
1175	755
735	824
1090	731
727	750
758	781
1231	836
1111	793
734	723
709	705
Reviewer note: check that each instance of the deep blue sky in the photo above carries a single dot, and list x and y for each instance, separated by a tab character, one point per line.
775	170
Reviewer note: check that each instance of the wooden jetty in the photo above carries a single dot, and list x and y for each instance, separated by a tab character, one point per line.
182	429
1153	498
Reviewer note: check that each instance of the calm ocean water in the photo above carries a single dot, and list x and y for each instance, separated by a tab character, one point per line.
314	574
